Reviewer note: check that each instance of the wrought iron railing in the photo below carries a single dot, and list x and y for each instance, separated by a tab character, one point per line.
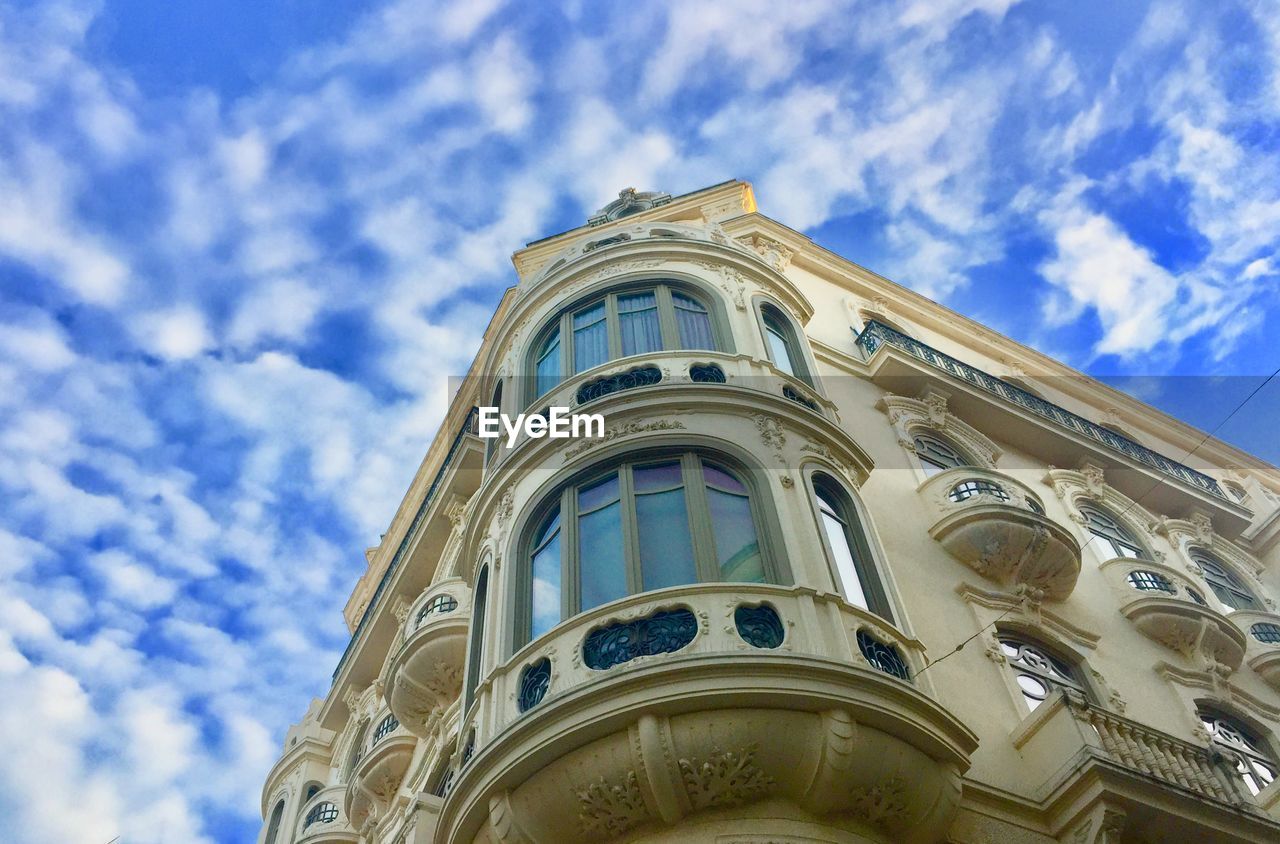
468	427
876	334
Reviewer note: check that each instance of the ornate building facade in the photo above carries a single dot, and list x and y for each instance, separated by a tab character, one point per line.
844	567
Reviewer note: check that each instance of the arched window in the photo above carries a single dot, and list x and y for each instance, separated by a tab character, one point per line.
312	790
696	517
385	727
491	444
937	455
1246	749
357	746
1224	583
325	812
476	649
1036	670
630	321
1234	491
781	342
847	548
1111	537
273	826
439	605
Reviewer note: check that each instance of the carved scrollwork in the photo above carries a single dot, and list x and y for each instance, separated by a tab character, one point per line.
726	779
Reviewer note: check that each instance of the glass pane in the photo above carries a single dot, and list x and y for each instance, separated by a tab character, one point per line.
638	323
666	547
590	338
737	549
660	477
838	538
548	374
602	566
546	585
598	494
931	468
722	480
779	350
694	323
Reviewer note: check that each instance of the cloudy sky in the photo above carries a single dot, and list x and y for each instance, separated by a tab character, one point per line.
243	244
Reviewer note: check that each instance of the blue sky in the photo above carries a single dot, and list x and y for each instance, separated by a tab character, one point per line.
243	244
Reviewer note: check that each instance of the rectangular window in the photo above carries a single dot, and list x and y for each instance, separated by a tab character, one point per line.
666	546
693	323
779	350
638	323
548	371
590	338
602	574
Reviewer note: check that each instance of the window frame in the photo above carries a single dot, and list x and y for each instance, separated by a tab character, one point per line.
1224	579
870	579
1127	535
561	325
966	462
1258	741
476	638
563	496
1074	677
769	311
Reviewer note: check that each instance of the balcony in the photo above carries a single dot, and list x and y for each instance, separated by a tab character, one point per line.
1155	786
321	820
1262	651
998	528
634	716
905	366
425	676
1166	607
376	777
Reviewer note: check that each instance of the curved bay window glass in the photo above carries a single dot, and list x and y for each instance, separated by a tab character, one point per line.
1112	538
1247	751
937	455
632	321
1037	672
273	827
492	444
1229	589
782	343
325	812
847	547
475	649
646	524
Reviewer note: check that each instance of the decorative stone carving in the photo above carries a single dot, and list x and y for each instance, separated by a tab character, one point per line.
909	416
883	805
726	779
774	253
400	608
729	280
629	201
606	811
1095	480
629	429
771	433
455	511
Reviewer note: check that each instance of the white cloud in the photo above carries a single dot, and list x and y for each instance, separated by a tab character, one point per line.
175	334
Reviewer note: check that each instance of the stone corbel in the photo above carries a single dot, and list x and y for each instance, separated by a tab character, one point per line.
1103	824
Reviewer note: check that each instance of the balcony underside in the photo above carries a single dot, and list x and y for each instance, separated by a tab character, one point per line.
1012	546
1143	809
898	372
636	751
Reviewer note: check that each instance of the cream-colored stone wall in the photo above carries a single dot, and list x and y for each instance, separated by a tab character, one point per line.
726	739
